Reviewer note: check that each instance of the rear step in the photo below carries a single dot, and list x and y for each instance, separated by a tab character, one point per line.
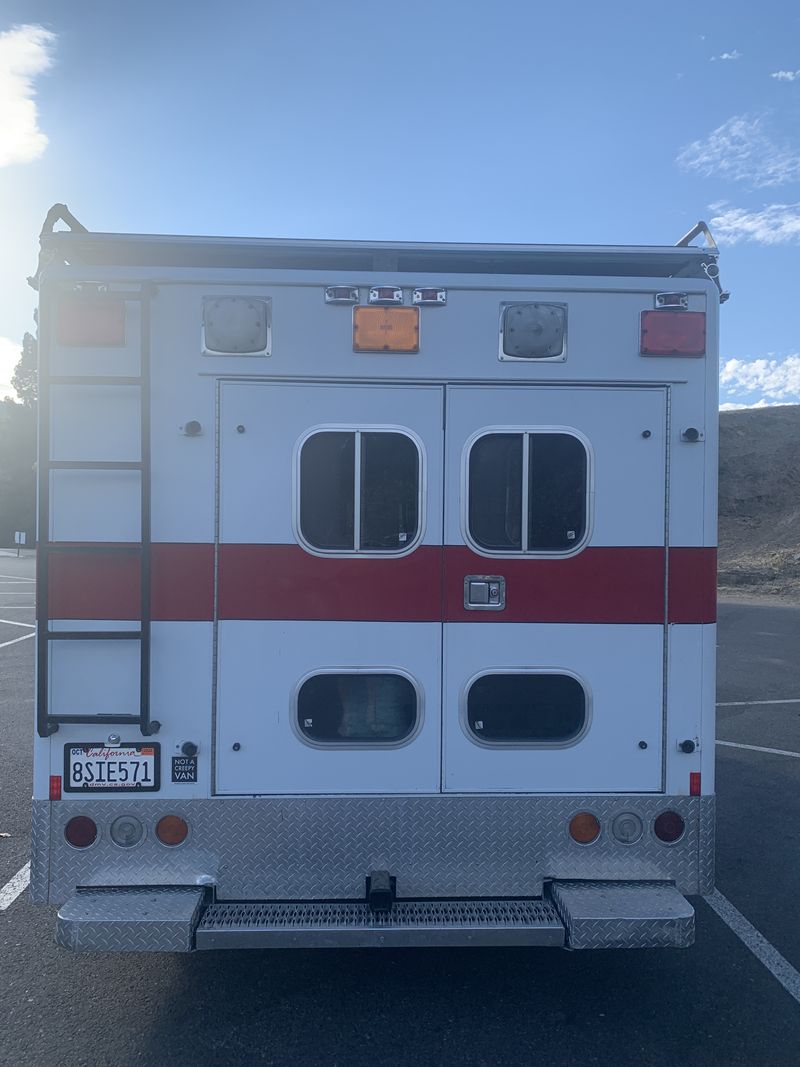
409	924
577	915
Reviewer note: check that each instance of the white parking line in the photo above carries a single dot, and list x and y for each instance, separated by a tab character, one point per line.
754	748
17	577
11	890
776	964
12	622
747	703
16	640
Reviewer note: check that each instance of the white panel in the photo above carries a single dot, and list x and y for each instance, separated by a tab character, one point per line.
684	703
94	678
98	422
621	665
260	666
627	468
258	464
92	505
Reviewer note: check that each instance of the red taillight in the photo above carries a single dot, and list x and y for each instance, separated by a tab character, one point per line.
81	831
669	827
673	333
694	783
55	787
171	830
91	321
584	828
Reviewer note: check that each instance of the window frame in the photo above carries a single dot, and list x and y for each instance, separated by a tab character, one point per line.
526	553
349	746
211	353
463	709
504	357
357	552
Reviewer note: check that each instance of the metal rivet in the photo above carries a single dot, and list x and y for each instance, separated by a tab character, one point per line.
647	433
236	746
240	428
642	744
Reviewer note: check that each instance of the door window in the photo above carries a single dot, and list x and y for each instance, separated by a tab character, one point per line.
364	708
527	492
360	491
508	708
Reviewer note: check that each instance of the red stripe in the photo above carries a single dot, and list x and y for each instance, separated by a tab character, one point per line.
285	582
692	585
99	584
599	585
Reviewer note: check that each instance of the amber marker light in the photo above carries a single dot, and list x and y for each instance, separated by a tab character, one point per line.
171	830
584	828
385	329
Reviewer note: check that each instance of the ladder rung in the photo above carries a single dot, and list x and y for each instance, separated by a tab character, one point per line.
94	379
106	719
99	546
93	465
94	635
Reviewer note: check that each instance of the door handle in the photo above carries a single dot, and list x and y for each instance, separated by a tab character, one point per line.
484	592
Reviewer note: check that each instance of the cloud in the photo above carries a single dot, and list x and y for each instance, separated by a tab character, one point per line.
25	52
10	352
774	381
774	224
743	150
735	54
786	75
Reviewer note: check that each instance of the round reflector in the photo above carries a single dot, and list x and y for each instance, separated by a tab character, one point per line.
669	826
171	830
126	831
81	831
584	828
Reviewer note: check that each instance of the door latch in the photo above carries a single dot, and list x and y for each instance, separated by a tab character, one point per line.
484	592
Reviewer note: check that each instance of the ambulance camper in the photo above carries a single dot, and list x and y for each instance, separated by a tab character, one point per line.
376	592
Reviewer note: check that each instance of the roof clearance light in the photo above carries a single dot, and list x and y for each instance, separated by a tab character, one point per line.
341	294
235	325
97	322
385	294
429	297
533	331
385	329
673	333
672	300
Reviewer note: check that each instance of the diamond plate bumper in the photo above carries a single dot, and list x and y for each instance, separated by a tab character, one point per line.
624	914
130	920
410	924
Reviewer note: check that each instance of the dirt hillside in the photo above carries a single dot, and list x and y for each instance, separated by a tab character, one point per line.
759	502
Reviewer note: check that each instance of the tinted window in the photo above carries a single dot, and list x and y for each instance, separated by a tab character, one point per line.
557	491
327	490
389	490
495	491
376	510
544	474
357	708
526	708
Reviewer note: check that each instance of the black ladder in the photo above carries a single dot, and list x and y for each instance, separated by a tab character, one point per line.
48	723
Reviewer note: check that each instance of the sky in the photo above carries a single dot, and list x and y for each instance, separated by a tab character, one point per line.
515	121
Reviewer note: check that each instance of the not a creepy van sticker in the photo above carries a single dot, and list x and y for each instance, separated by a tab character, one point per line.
184	768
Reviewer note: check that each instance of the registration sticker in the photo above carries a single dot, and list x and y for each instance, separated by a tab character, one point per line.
130	767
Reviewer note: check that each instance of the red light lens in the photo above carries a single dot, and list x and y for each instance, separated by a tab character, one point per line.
669	827
694	784
171	830
55	787
81	831
91	321
673	333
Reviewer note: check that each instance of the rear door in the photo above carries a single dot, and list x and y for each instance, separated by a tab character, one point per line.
554	589
329	588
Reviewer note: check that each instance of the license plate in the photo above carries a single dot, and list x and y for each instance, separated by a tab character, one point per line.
130	767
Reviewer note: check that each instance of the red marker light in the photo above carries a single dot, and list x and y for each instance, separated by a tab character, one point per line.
91	321
55	787
694	783
673	333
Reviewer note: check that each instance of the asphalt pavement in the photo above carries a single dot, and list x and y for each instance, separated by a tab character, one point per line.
715	1003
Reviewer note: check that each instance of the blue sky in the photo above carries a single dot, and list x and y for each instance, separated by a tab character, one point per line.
618	123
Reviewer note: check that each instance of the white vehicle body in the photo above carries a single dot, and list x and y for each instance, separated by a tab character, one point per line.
376	625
